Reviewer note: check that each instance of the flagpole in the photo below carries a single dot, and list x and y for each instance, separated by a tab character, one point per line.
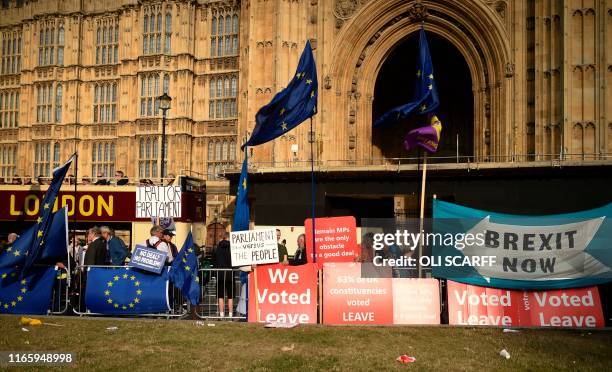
74	210
313	188
422	212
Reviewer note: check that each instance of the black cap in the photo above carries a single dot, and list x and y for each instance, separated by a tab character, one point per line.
168	232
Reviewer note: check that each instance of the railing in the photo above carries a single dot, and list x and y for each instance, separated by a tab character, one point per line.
468	162
60	295
220	282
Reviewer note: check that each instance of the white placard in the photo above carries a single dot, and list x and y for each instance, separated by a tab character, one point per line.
158	201
254	247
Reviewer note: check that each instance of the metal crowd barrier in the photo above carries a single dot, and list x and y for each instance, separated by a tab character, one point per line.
214	281
178	305
59	296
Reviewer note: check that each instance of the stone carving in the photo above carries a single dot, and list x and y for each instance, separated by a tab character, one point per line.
509	70
417	12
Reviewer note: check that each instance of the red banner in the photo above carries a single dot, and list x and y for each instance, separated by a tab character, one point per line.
473	305
336	239
285	294
350	299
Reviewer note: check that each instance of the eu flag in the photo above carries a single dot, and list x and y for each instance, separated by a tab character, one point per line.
291	106
241	213
425	97
28	295
117	291
184	272
44	221
54	248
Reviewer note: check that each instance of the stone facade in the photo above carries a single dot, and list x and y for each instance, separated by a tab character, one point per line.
541	75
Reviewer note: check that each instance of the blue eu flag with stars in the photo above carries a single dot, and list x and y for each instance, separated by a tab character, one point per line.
184	272
54	248
425	97
124	290
241	213
28	295
291	106
44	221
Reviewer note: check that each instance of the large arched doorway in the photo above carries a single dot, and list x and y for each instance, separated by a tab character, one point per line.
395	86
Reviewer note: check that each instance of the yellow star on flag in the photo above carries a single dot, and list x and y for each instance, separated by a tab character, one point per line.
423	107
418	73
16	253
312	94
19	298
110	284
284	126
430	76
282	111
124	307
13	303
46	206
116	277
24	281
132	277
3	275
187	268
6	306
184	260
39	219
137	283
9	249
138	292
308	81
131	305
110	301
107	293
116	306
430	86
125	276
24	290
136	300
244	185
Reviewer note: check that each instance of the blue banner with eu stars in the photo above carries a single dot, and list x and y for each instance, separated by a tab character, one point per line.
291	106
124	291
28	295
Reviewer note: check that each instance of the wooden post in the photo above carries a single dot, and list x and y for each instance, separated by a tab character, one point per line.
422	213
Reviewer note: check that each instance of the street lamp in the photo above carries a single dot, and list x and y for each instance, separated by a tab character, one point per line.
164	104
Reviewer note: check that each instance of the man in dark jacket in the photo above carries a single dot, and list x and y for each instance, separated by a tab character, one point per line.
117	251
222	262
96	249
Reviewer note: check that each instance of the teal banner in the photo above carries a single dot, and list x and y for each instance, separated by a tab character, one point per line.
522	252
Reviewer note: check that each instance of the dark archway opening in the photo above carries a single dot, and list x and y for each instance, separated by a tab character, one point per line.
395	86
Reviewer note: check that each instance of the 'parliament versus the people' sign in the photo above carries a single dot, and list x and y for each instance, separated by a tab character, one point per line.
254	247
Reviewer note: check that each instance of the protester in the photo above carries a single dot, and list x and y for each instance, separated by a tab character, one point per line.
167	236
86	180
11	238
367	248
299	258
116	249
222	261
41	180
120	178
16	180
155	241
283	256
96	249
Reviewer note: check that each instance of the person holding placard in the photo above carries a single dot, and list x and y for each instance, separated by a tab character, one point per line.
222	261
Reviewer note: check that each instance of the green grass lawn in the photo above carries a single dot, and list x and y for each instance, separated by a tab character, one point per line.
158	345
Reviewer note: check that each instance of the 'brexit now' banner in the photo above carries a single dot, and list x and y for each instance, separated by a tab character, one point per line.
523	252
